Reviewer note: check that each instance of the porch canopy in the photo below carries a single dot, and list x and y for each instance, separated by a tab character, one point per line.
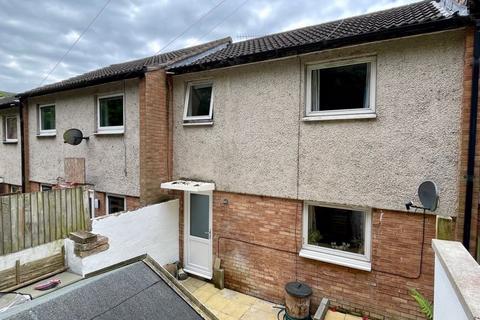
187	185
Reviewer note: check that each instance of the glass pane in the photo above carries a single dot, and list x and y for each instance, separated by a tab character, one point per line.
111	112
47	115
199	100
199	215
339	229
115	204
338	88
12	128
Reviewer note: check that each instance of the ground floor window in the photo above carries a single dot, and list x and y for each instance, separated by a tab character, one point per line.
15	189
339	235
115	204
45	187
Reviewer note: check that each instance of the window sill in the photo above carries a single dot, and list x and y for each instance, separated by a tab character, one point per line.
205	123
50	134
109	132
10	142
342	261
351	116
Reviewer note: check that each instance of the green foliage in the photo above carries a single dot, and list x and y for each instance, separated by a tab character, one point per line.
425	305
314	237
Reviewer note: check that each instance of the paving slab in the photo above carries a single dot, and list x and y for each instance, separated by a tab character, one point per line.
228	304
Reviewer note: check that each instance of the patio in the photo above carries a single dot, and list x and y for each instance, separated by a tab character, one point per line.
227	304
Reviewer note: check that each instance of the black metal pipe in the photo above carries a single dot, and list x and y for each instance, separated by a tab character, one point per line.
23	155
472	137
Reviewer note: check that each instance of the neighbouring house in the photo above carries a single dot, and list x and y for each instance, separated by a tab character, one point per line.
296	153
123	110
10	147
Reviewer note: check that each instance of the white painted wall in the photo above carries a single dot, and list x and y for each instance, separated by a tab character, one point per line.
153	230
447	304
457	277
31	254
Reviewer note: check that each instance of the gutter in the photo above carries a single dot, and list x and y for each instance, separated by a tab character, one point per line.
472	137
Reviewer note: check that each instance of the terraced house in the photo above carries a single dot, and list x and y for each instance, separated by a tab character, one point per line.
10	147
122	110
296	153
293	154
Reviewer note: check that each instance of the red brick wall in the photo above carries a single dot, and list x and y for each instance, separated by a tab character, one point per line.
154	136
258	239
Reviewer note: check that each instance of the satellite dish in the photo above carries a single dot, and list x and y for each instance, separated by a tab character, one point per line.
428	194
73	137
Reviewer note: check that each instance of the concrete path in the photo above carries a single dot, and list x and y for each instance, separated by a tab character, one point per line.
228	304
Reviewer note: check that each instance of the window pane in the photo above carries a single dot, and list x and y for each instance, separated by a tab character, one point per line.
199	215
11	129
47	115
334	228
337	88
111	112
115	204
199	100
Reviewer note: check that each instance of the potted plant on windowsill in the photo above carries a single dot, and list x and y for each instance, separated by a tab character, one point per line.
314	237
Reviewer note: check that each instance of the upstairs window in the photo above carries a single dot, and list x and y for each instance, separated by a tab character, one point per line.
198	102
47	120
11	132
338	235
110	114
341	90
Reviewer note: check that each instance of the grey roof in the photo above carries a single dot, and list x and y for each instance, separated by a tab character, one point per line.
126	70
9	102
416	18
131	292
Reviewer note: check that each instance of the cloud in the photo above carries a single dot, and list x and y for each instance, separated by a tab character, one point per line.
35	34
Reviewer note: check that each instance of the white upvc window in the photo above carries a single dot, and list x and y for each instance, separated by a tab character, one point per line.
199	102
341	89
46	119
116	204
11	129
337	234
111	114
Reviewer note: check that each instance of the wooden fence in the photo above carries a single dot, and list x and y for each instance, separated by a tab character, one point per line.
27	273
31	219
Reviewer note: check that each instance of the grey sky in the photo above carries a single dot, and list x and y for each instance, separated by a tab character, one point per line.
35	34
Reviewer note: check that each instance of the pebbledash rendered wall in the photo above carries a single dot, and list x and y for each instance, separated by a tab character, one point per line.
253	145
111	161
10	153
252	154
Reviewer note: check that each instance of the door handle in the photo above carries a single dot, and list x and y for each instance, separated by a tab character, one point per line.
208	233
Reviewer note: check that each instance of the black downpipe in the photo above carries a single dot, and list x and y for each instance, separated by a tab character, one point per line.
472	137
22	145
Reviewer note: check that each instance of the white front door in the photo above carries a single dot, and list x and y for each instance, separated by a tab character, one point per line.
198	234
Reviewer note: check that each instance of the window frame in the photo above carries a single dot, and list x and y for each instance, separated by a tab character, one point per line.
107	204
111	129
187	118
46	185
334	256
358	113
47	132
5	123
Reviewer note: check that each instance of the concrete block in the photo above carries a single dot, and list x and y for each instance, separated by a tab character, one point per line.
322	309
